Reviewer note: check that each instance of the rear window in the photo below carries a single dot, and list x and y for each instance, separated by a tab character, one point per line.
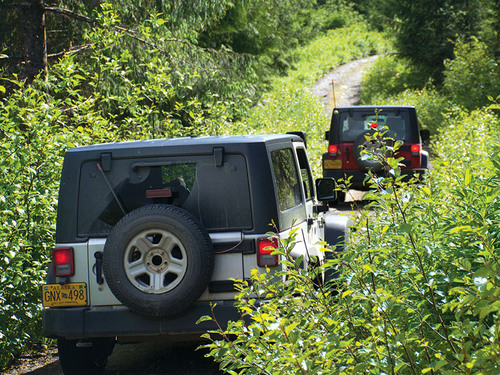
355	123
218	196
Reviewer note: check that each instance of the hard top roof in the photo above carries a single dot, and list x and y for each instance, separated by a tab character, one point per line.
364	108
188	142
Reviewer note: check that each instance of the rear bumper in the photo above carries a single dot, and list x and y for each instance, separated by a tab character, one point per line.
85	322
357	177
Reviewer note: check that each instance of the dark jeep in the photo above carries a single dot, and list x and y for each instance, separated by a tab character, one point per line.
151	233
349	130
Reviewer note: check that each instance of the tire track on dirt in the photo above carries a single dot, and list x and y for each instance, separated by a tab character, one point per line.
346	80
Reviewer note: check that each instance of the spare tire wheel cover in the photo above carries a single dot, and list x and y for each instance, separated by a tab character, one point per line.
158	260
361	143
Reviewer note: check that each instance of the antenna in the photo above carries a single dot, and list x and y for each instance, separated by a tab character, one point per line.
111	188
333	92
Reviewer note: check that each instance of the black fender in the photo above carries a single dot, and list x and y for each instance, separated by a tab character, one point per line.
425	160
337	228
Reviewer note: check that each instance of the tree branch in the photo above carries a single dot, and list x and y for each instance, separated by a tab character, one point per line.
131	33
70	14
74	49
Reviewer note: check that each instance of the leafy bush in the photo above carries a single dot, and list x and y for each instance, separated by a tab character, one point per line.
286	327
418	288
472	75
35	129
388	77
339	14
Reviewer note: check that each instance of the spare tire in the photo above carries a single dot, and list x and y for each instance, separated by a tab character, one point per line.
371	146
158	260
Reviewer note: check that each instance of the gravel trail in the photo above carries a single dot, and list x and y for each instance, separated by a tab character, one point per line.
346	80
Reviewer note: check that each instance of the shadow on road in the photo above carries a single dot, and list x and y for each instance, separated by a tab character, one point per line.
146	359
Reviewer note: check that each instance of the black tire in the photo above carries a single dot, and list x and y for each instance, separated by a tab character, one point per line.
84	360
361	143
340	197
158	260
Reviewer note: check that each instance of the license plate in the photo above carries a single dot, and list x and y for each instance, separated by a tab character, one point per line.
332	164
62	295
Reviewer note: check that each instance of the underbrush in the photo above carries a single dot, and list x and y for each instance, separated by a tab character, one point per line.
418	289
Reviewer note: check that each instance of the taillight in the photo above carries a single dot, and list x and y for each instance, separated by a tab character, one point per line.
415	149
63	262
265	248
333	150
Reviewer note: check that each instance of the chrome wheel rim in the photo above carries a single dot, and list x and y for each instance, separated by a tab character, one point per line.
155	261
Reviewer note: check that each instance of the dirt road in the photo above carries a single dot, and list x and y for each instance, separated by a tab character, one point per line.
130	359
345	82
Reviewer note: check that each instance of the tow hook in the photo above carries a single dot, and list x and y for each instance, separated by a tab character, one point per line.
98	267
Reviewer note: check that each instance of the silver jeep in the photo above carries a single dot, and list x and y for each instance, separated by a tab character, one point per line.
151	233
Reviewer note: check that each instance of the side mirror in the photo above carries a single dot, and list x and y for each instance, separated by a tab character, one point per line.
325	189
425	134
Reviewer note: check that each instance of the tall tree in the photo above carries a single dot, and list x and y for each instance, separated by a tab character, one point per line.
35	45
425	30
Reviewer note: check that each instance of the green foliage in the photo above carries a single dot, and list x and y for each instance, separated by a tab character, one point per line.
35	129
206	48
338	13
389	76
472	75
418	287
288	324
259	27
424	32
467	141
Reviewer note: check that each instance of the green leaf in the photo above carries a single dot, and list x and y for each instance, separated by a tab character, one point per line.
204	318
290	327
346	293
467	177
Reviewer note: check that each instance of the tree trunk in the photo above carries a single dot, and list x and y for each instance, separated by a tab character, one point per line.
35	48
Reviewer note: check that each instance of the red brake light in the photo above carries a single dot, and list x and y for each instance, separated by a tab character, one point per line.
333	149
265	248
415	148
63	261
